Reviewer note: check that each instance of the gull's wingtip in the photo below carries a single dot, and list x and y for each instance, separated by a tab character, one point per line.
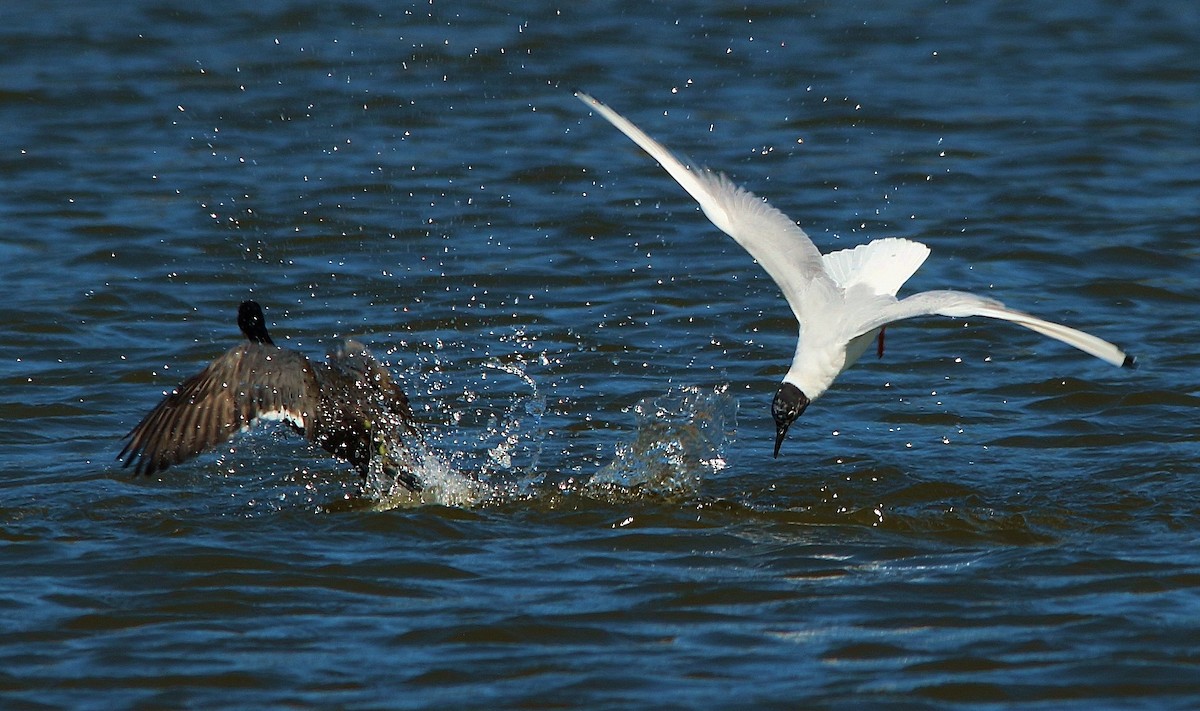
1130	362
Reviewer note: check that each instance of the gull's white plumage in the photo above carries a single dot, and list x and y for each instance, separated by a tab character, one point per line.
841	299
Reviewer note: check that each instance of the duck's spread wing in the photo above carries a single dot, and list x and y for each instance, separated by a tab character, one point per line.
367	385
363	415
771	237
249	383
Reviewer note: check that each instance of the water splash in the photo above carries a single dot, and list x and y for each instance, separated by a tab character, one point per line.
518	435
464	465
681	437
441	482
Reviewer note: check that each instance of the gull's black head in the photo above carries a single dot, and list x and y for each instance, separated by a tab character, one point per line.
252	323
789	404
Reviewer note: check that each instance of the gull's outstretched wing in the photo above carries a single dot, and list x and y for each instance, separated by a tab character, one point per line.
771	237
960	304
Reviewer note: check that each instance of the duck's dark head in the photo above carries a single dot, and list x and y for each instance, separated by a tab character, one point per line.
252	323
789	403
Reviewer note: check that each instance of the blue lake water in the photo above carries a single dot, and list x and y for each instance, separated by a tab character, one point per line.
982	517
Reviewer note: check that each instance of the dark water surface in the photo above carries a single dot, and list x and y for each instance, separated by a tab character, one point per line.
983	517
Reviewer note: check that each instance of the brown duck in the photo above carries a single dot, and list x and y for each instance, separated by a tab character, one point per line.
349	405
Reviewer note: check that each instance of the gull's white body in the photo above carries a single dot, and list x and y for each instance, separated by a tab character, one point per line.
841	299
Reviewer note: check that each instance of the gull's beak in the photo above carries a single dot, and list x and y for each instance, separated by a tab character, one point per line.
781	429
789	403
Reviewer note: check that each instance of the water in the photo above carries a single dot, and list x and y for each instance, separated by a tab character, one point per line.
983	517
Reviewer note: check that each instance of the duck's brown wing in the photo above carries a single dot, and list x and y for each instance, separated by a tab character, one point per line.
362	413
368	386
248	383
